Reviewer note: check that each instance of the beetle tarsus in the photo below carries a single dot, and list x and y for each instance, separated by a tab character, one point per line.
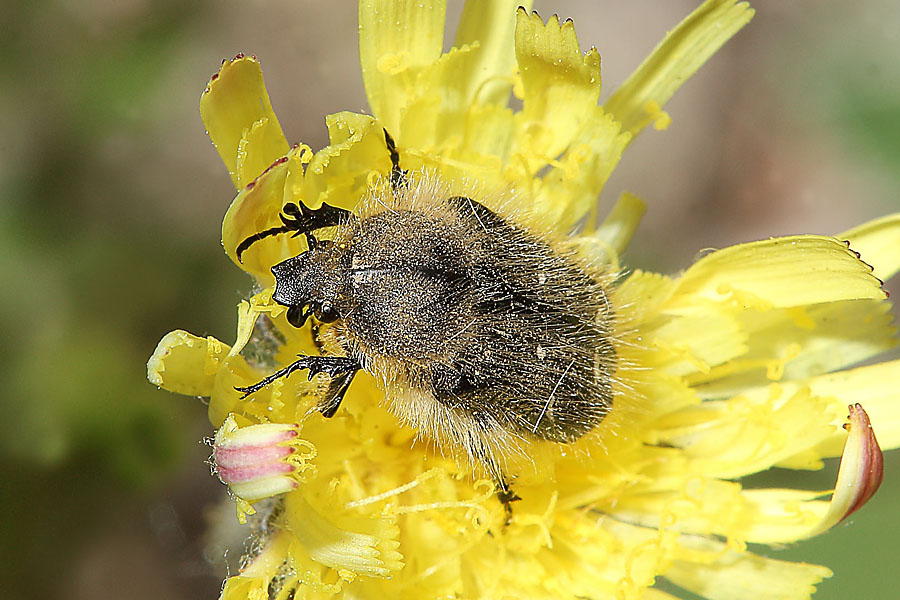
506	497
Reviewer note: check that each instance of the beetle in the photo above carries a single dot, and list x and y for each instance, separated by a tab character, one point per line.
486	335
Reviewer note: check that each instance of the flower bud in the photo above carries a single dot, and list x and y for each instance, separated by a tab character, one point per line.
259	461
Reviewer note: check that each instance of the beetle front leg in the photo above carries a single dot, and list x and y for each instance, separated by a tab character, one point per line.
340	368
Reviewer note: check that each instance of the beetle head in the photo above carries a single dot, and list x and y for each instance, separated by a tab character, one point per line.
310	284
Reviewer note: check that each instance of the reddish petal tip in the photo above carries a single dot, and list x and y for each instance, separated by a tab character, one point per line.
868	461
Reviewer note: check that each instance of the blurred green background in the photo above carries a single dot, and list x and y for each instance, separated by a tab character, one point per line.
111	199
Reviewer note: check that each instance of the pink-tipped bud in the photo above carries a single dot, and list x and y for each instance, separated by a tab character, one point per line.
259	461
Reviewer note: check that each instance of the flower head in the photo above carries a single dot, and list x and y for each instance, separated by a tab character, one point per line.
741	363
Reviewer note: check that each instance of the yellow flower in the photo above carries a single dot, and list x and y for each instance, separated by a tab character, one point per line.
741	363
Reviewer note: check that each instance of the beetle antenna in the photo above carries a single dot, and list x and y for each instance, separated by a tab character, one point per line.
259	236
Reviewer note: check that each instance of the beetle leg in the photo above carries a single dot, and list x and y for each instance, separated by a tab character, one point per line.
301	220
259	236
340	368
399	177
335	394
331	365
506	496
481	451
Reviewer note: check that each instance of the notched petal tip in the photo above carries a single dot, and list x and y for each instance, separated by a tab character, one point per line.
226	63
860	474
560	85
879	242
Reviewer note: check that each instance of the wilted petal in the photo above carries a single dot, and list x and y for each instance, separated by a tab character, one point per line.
260	461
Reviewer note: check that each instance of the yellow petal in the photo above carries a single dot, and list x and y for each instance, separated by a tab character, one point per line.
240	121
186	364
719	574
606	243
875	387
749	433
878	243
365	546
240	587
637	102
713	507
655	594
781	272
599	557
256	209
339	173
621	222
561	86
397	39
486	139
234	371
438	103
697	342
782	515
253	582
642	295
801	342
829	394
490	23
571	187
